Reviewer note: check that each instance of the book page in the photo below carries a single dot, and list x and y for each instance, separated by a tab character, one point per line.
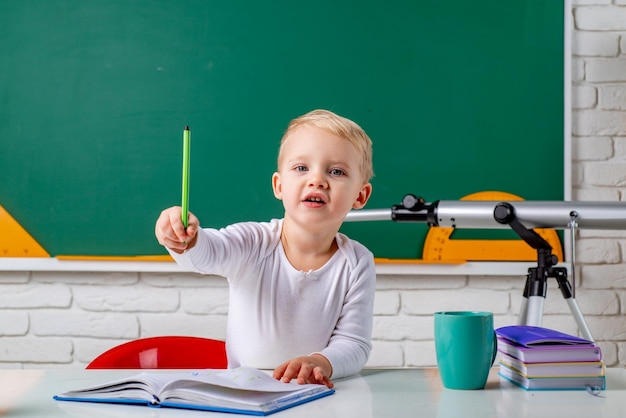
236	389
199	394
142	386
240	378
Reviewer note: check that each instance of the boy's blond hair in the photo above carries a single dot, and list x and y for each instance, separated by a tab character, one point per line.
340	126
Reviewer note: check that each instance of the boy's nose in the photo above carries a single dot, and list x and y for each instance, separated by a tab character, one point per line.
318	180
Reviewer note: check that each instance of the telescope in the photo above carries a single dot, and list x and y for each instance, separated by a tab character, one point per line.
483	214
522	216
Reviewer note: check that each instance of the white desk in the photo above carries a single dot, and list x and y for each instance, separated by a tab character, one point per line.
373	393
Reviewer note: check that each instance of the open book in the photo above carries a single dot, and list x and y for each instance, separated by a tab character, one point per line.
241	390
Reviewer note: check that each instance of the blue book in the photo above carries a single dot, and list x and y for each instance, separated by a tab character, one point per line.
242	391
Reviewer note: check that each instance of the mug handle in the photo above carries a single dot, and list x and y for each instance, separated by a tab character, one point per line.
495	348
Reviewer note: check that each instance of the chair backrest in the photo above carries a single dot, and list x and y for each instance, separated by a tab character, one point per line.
164	352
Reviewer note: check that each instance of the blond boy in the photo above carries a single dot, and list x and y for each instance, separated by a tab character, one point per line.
301	293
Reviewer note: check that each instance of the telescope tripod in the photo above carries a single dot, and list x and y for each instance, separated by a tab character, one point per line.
536	285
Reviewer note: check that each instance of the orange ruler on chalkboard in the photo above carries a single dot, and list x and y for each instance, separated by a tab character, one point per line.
15	241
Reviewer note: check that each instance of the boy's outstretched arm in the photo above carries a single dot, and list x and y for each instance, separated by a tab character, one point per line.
171	233
310	369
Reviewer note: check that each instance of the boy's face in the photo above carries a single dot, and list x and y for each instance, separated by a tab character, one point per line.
319	178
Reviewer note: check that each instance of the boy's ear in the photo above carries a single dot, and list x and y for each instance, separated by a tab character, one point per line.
277	186
363	197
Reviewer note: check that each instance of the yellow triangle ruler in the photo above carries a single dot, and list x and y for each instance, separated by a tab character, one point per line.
15	241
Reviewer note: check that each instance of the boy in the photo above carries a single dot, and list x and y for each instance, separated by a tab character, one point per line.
301	293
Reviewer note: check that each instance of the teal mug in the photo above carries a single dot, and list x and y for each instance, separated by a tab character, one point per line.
466	347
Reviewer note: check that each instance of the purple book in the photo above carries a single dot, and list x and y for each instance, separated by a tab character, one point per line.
530	336
542	345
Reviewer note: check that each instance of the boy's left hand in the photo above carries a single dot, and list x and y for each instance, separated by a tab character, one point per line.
311	369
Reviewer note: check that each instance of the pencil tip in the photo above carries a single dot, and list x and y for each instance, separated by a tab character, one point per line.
187	128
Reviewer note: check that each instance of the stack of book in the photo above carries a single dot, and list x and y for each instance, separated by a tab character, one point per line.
537	358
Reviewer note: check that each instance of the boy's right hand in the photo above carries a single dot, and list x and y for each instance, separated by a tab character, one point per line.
171	233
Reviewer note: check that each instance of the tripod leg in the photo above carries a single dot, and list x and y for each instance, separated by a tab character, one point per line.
578	316
534	297
535	310
531	311
566	291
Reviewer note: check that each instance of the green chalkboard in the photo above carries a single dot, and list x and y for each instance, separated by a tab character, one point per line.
458	96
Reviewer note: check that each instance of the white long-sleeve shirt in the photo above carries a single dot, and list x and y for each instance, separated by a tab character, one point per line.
276	312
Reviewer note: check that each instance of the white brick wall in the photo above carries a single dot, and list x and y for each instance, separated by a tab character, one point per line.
599	166
64	319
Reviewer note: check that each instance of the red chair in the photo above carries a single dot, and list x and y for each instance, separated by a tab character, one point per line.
165	352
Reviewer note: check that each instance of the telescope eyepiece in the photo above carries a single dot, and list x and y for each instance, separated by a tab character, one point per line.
412	202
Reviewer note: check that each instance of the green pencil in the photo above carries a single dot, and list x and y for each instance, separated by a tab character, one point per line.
186	155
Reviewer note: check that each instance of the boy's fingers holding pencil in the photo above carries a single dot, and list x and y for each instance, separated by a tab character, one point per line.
170	231
191	231
176	224
192	226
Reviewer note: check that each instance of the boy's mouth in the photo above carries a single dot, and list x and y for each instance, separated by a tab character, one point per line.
314	199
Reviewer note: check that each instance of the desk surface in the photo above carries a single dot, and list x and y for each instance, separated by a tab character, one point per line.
374	393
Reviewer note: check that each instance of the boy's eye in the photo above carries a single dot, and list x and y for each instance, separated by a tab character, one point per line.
337	172
300	168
